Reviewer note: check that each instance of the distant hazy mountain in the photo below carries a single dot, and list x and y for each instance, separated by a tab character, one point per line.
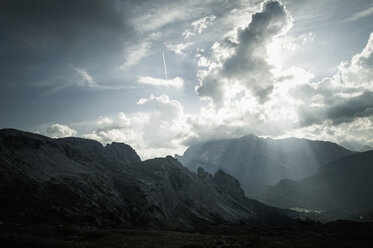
353	146
343	185
79	181
259	161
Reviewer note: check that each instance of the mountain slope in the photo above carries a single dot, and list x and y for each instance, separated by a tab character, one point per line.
258	161
354	146
343	185
79	181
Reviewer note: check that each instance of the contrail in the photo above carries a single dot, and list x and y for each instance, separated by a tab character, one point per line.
164	64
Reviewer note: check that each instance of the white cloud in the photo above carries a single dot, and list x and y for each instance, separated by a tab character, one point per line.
156	18
307	38
358	73
134	54
250	92
179	48
156	132
241	61
88	82
198	26
117	128
338	108
343	101
359	15
60	131
344	97
357	131
175	82
168	109
86	78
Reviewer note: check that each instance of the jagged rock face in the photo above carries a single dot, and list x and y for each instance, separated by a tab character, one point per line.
257	161
57	180
120	152
79	181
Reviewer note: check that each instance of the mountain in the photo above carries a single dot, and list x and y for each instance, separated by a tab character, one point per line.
344	185
262	161
353	146
79	181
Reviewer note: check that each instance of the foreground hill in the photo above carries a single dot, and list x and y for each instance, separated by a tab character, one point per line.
344	185
79	181
259	161
338	234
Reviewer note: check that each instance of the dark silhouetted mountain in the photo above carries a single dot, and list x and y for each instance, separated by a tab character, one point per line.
342	186
79	181
258	161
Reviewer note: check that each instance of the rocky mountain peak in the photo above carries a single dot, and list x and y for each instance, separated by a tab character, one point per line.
121	152
74	180
203	174
228	183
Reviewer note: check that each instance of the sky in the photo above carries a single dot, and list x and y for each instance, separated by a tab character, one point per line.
162	75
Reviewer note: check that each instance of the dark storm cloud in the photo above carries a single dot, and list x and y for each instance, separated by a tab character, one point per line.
351	109
42	39
339	110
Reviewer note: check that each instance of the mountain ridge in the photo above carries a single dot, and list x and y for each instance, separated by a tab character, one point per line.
258	161
79	181
342	186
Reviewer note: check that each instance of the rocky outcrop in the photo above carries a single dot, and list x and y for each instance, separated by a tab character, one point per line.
79	181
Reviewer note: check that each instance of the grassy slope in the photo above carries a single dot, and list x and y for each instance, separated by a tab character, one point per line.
299	234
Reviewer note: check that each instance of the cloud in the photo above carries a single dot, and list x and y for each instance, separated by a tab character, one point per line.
175	82
41	40
60	131
135	53
146	21
156	15
355	131
86	81
336	108
237	71
346	110
344	97
157	131
51	34
359	15
179	48
168	110
86	78
117	128
198	26
358	73
241	61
